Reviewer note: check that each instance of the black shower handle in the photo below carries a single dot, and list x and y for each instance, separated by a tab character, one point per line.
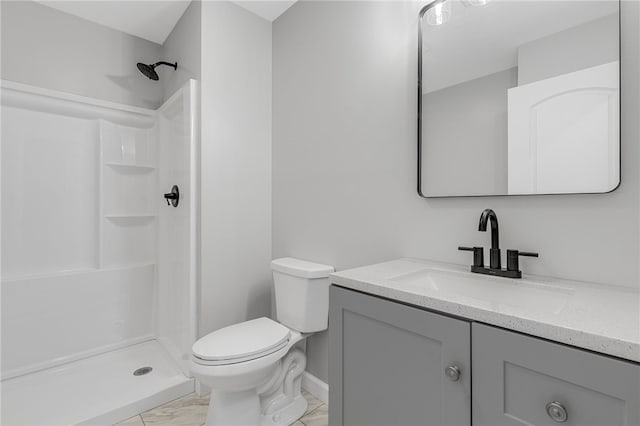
173	197
170	196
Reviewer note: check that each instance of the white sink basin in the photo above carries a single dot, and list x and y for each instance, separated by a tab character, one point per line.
502	294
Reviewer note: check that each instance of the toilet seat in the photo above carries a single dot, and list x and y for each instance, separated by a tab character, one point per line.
241	342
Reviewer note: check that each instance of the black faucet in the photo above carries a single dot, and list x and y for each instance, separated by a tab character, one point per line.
494	252
495	268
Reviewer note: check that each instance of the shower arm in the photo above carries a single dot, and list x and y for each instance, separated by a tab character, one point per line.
174	65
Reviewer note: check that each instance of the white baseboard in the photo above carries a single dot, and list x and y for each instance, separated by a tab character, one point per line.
315	387
202	390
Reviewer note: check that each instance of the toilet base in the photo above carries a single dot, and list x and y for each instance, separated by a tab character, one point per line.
286	415
233	408
243	408
262	392
277	402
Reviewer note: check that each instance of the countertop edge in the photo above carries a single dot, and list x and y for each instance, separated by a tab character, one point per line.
625	350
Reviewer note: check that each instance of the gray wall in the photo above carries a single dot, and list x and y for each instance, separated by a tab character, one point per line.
47	48
344	160
464	133
228	49
584	46
183	46
236	166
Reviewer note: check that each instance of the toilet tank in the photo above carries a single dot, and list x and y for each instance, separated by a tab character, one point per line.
301	293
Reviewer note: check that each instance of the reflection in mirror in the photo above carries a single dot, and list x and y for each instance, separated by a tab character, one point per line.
519	97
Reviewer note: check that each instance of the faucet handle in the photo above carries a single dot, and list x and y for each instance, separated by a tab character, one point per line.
527	253
513	261
478	254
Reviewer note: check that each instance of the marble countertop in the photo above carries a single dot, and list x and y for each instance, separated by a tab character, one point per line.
600	318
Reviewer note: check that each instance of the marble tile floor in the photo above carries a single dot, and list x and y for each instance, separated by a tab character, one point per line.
191	410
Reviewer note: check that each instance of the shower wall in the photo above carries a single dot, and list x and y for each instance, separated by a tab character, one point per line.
79	227
175	324
93	259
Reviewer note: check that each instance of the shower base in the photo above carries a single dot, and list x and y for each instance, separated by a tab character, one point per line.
99	390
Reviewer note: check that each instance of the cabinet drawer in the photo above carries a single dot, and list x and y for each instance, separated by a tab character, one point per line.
518	378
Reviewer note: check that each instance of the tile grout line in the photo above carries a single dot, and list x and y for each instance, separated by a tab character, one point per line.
310	412
141	417
315	409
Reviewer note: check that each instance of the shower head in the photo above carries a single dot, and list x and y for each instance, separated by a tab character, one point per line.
149	70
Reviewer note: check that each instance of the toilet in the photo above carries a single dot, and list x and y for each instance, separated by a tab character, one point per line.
254	368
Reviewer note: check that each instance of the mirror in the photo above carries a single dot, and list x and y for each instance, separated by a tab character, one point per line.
518	97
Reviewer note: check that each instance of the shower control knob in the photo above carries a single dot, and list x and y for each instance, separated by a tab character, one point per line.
453	373
173	197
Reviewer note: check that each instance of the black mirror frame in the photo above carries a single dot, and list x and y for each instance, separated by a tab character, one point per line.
422	13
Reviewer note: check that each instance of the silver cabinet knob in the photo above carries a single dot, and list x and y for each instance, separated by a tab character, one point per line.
557	412
453	372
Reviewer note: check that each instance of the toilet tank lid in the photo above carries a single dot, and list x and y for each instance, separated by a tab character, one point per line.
301	268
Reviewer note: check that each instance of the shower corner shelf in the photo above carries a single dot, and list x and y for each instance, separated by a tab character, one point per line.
118	165
131	216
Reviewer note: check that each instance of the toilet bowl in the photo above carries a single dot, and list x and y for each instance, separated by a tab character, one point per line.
253	367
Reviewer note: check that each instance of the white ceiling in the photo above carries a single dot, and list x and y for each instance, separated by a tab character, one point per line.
150	20
267	9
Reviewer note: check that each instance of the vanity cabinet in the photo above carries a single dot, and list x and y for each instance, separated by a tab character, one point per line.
522	380
389	365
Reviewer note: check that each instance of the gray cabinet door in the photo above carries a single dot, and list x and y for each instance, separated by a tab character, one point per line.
387	363
515	377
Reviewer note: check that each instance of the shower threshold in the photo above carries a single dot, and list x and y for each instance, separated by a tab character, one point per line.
100	390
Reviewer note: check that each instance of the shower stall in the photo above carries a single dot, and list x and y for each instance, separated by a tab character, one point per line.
98	268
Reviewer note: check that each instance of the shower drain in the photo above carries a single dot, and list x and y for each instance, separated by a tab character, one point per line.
142	371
